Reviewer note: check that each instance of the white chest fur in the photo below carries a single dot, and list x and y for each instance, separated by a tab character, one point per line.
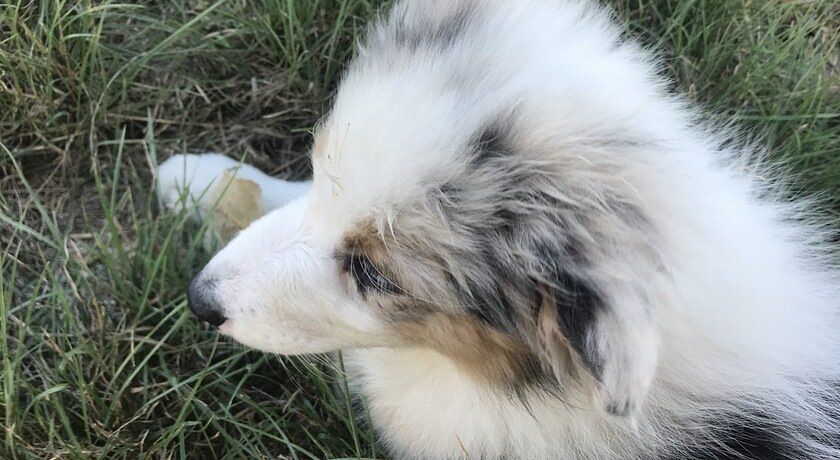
424	406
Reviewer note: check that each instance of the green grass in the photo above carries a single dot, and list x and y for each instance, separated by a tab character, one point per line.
99	356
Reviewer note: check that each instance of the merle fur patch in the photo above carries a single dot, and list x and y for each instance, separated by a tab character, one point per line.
408	33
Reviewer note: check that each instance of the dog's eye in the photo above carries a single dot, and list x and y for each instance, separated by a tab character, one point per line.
367	276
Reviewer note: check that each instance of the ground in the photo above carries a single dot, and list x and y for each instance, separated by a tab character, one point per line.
99	357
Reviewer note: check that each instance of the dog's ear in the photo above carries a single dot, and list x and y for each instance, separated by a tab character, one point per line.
600	326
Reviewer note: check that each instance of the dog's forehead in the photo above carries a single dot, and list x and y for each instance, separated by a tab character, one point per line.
384	145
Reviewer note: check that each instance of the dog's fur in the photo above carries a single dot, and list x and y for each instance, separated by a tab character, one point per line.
528	249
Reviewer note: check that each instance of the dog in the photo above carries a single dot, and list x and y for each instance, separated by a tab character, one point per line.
528	248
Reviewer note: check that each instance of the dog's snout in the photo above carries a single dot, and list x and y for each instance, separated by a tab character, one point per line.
203	303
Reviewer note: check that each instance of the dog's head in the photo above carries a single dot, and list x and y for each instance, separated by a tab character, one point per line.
513	241
494	249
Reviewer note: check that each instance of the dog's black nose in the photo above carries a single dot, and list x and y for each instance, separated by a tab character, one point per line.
202	302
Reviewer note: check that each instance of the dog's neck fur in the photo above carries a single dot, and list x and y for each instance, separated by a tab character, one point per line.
422	402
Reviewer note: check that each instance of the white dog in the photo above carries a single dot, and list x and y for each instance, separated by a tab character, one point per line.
528	249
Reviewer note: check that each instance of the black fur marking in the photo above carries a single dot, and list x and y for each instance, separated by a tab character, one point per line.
623	410
490	305
450	194
368	277
744	439
489	144
576	299
763	436
578	306
409	34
